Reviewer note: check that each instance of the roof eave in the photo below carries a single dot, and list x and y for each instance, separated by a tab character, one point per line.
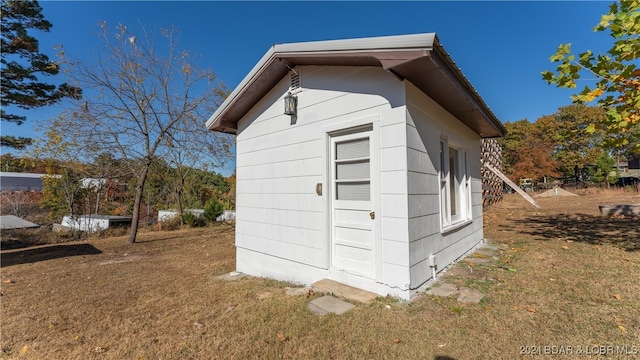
418	58
221	118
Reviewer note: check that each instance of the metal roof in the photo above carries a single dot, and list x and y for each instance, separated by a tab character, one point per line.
418	58
21	175
101	217
13	222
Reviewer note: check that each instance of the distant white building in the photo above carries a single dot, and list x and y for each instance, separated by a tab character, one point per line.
227	215
93	223
166	215
93	183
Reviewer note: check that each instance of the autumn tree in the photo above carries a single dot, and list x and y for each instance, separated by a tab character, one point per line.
513	143
605	170
143	99
556	145
526	153
63	193
230	195
187	164
102	176
23	63
617	88
12	163
573	147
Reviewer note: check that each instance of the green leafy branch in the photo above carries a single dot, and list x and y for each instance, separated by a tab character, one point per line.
618	87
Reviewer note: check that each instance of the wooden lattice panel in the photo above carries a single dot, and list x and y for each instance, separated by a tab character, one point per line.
492	185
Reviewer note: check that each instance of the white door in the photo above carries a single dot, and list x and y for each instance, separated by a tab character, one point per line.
352	246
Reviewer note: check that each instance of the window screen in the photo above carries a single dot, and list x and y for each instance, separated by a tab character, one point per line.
353	191
352	170
352	149
453	183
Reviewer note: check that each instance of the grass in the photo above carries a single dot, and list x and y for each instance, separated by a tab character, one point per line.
575	283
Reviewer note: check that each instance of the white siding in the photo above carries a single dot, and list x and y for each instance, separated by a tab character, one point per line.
279	218
393	192
426	123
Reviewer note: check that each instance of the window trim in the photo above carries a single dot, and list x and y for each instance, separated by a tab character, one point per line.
462	186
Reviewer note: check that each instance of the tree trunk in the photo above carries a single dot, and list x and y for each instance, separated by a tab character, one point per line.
142	178
179	200
98	201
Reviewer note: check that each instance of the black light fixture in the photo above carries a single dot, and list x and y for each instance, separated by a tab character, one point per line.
290	104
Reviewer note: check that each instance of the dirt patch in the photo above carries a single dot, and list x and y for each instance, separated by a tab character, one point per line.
120	260
555	192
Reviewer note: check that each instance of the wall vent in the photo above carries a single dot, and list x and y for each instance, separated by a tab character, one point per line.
295	82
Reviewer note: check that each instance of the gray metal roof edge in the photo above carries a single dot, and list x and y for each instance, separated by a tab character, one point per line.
8	222
369	43
99	217
356	44
9	174
24	175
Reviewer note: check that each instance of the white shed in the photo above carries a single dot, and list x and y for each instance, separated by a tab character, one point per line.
166	215
93	223
375	180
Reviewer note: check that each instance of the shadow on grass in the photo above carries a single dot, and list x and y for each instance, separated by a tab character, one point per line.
597	230
46	253
144	239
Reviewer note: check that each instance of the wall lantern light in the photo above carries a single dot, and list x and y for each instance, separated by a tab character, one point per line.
290	105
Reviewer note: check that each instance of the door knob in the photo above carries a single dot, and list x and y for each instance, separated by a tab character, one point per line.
372	215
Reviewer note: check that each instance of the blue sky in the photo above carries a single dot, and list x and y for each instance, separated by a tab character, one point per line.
500	46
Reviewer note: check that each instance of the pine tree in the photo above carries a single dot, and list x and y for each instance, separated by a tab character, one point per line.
22	63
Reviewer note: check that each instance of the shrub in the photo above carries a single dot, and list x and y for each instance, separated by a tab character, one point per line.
174	223
192	219
213	209
112	231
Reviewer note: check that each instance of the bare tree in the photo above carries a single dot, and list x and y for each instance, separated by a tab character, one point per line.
143	101
196	153
15	199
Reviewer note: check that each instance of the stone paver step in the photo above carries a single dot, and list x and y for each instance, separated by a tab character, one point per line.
329	304
341	290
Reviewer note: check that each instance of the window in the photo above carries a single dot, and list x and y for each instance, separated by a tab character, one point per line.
455	185
352	170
